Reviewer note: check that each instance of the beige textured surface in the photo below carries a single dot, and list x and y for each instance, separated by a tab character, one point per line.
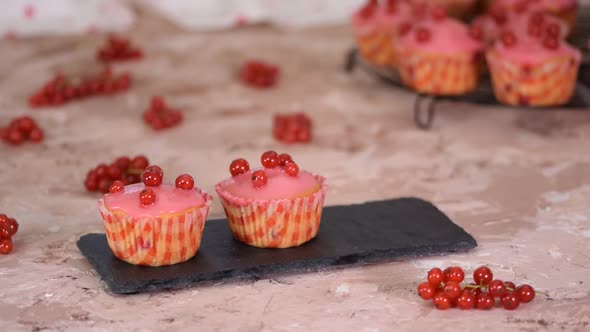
519	182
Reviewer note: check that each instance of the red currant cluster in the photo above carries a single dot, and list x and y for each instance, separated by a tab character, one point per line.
548	33
152	177
123	169
445	291
291	128
21	129
61	89
259	74
118	49
269	159
8	227
159	116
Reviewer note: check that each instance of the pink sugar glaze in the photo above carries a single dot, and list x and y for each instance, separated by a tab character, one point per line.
516	22
388	21
279	185
168	200
448	36
537	4
531	51
364	25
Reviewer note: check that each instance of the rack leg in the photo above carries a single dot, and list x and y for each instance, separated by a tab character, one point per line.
424	111
351	60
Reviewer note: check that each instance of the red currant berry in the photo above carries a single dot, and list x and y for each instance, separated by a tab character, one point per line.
139	163
6	246
525	293
456	274
152	178
553	30
510	301
483	275
475	291
439	13
4	232
426	291
11	226
123	163
25	124
484	301
510	286
259	178
452	289
102	170
36	135
435	276
534	30
116	187
466	300
476	33
496	288
551	43
446	274
185	182
284	159
269	159
239	166
104	184
423	35
404	29
508	38
147	196
114	172
292	169
15	136
537	18
440	301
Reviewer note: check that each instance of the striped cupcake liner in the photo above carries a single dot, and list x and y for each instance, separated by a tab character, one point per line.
155	241
439	74
279	223
378	48
551	83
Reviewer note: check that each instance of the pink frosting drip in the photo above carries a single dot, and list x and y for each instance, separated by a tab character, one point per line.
538	4
448	36
279	185
168	200
531	51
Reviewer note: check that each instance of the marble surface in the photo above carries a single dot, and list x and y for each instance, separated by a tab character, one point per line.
519	182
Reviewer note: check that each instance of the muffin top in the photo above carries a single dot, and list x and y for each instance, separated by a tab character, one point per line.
392	13
527	50
437	33
535	4
523	24
168	200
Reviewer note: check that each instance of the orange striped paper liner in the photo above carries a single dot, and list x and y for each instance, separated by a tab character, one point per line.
378	48
277	223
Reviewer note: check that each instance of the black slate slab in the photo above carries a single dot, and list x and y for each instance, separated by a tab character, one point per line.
370	232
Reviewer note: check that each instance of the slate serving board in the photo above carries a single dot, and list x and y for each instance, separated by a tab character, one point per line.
371	232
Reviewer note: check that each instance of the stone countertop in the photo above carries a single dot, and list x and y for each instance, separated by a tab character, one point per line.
518	182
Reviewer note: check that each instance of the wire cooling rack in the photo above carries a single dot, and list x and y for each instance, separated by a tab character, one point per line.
425	105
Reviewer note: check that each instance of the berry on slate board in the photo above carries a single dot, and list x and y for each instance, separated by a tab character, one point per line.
445	290
21	129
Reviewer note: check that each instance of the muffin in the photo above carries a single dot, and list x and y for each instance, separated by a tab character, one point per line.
533	71
375	28
438	55
521	23
155	224
564	9
276	206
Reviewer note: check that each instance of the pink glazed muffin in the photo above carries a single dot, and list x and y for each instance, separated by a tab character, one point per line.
276	206
564	9
438	55
456	8
375	27
155	224
540	71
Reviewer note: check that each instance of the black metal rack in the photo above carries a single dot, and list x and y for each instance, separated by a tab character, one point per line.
425	105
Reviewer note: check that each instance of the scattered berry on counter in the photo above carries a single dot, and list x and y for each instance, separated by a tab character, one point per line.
8	227
292	128
62	89
160	116
21	129
445	290
259	74
103	177
118	48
